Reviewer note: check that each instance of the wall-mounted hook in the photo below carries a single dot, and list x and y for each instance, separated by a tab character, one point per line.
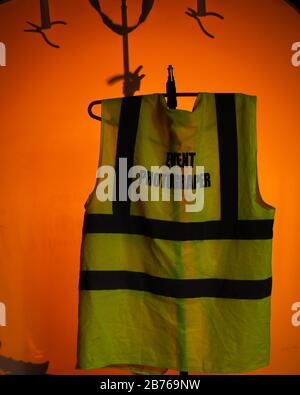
45	23
201	12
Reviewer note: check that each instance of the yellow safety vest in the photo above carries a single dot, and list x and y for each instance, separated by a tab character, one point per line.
161	287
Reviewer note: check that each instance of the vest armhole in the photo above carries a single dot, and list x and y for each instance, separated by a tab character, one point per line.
258	196
251	202
259	199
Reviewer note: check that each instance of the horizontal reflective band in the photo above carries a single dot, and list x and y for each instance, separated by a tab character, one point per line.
191	288
171	230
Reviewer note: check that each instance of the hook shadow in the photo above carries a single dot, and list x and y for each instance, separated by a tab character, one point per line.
132	80
46	23
201	12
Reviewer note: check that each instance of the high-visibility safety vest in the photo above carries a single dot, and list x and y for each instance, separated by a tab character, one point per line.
162	287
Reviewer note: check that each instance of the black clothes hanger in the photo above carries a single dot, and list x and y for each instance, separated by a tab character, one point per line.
45	23
171	95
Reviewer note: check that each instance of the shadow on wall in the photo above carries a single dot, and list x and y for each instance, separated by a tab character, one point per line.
132	80
295	4
201	12
46	23
9	366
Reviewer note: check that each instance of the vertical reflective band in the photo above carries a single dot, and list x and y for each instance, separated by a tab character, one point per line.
128	124
228	156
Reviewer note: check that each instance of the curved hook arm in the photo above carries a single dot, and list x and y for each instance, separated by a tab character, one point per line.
215	14
119	29
40	30
90	110
192	13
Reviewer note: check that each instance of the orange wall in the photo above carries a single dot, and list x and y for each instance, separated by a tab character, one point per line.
49	147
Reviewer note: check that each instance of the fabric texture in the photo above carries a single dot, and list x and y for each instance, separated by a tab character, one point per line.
162	288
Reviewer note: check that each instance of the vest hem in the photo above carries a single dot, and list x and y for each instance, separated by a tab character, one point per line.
191	369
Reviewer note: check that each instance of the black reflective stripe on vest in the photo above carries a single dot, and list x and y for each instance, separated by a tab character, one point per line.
189	288
128	124
170	230
228	156
229	227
